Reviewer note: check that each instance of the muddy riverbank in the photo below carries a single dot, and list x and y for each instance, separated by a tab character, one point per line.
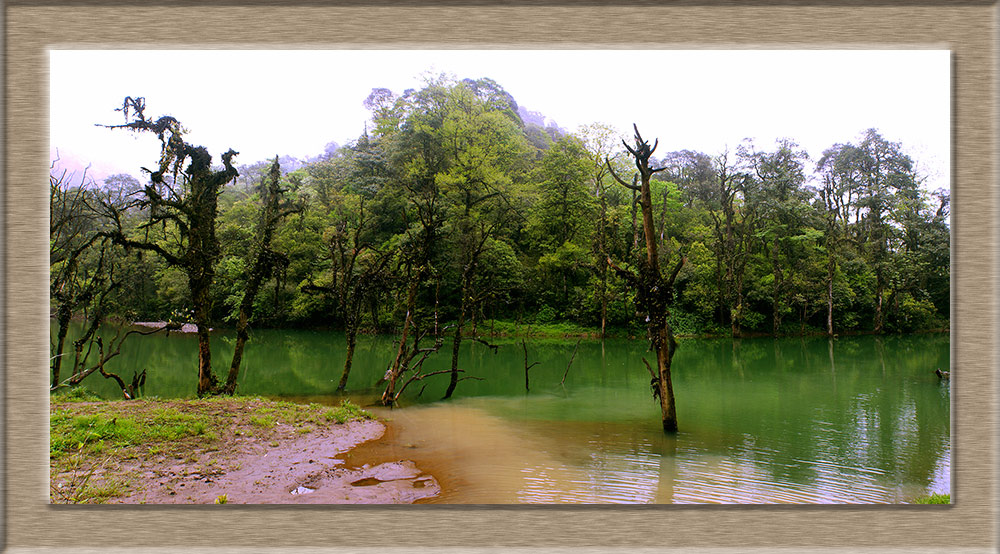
235	451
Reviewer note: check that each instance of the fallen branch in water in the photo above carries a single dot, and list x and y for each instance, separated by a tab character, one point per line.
494	347
421	376
577	347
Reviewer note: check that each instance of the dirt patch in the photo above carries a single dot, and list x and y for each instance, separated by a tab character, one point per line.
239	451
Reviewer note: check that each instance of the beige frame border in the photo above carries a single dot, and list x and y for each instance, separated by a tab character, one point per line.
970	31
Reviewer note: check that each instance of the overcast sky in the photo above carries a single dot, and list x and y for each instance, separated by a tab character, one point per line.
294	102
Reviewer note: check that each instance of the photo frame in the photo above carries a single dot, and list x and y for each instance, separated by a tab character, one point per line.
967	29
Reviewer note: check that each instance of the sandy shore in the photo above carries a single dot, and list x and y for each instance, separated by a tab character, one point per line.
287	460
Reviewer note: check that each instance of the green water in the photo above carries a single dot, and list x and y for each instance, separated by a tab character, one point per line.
850	420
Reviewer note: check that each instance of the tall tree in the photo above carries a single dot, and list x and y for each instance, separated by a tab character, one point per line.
654	292
888	181
483	147
864	188
783	205
563	222
735	219
261	261
182	194
599	141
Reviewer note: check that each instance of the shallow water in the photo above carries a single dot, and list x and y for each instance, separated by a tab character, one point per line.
850	420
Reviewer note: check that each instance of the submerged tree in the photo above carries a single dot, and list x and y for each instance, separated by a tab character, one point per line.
654	293
182	199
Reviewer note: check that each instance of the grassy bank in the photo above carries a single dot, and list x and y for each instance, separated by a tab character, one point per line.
682	329
933	499
92	444
555	329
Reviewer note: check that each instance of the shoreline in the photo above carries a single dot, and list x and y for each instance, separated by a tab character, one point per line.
541	332
222	451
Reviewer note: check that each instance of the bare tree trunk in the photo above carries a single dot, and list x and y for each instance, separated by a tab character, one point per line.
63	319
604	300
527	366
457	343
737	323
206	379
243	323
776	293
654	292
664	357
262	263
352	341
395	370
879	300
241	339
829	297
604	267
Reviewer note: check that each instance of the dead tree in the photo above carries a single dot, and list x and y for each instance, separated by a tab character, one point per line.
413	362
183	194
403	353
527	366
411	358
75	280
654	293
82	365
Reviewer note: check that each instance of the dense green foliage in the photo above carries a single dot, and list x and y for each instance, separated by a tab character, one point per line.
485	218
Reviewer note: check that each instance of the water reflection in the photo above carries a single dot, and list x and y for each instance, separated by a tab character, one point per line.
848	420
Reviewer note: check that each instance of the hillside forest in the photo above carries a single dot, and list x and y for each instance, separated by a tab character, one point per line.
458	215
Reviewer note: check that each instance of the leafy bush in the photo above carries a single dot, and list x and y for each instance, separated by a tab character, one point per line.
546	314
915	313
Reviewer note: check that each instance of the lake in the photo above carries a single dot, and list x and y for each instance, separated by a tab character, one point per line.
790	420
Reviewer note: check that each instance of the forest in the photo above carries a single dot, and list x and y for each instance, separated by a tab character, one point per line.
457	215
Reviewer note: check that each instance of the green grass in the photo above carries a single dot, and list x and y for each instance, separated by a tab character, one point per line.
934	499
96	432
553	329
263	421
347	411
75	394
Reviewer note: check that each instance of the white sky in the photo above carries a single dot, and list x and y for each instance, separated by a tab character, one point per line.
263	103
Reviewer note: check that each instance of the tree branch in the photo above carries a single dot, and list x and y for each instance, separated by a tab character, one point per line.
573	357
676	270
626	274
633	186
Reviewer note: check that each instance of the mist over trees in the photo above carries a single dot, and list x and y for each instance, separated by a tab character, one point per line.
456	209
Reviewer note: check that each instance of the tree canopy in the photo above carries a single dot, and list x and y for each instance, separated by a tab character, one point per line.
452	210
